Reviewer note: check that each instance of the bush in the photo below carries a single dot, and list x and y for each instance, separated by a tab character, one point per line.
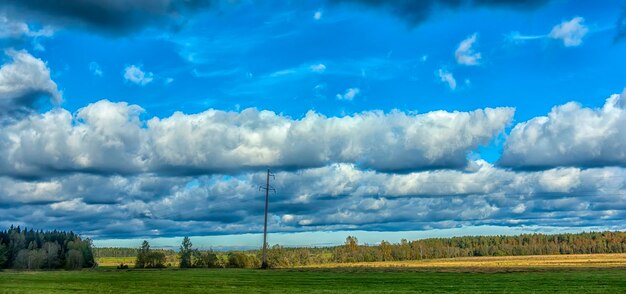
242	260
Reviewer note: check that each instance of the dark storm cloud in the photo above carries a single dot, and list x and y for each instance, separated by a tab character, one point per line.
620	26
338	197
417	11
113	16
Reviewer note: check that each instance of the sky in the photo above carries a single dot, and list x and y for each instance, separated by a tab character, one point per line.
132	120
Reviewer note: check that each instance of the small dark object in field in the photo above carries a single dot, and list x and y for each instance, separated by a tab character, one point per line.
122	266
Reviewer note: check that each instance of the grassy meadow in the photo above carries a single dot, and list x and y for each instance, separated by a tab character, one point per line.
601	273
371	280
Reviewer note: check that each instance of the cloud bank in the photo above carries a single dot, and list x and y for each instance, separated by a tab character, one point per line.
108	173
111	138
333	197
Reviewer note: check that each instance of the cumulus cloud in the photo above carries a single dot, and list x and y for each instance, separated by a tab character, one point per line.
217	140
114	16
24	81
349	94
447	77
465	54
570	32
109	138
136	75
571	135
101	138
332	197
415	12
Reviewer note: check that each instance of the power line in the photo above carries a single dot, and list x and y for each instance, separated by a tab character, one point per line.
267	189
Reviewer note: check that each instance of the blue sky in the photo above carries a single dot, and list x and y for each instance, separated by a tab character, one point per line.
155	119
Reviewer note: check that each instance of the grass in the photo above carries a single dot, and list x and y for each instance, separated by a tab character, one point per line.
603	273
311	280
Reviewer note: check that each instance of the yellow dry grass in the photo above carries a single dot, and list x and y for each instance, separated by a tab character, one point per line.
130	261
115	261
497	262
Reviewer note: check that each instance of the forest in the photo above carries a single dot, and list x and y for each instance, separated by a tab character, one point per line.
353	251
468	246
30	250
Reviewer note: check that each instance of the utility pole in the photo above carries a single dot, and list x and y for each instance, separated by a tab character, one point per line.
267	189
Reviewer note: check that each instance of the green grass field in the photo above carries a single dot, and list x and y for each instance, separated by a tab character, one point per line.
312	280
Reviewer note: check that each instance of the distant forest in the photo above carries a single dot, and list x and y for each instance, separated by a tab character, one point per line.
526	244
124	252
30	249
353	251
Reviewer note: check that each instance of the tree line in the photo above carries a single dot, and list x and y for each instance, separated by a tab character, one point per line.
352	251
30	249
123	252
525	244
190	257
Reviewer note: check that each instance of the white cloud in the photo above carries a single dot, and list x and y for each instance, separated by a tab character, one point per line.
107	137
102	137
318	67
447	77
10	28
317	15
520	208
305	222
95	69
465	53
134	74
23	81
283	73
349	94
570	32
571	135
517	37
